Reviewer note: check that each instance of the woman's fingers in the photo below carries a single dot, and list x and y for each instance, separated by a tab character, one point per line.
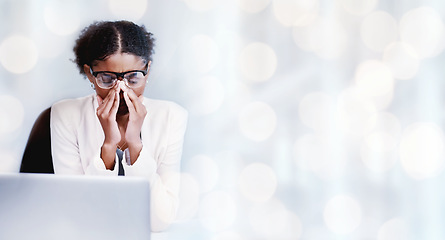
136	102
129	103
106	112
115	106
127	92
137	114
109	101
99	100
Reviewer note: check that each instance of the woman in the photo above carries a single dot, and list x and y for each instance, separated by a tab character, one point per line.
91	134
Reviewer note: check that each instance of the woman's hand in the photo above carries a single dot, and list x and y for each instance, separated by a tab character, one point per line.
106	112
137	113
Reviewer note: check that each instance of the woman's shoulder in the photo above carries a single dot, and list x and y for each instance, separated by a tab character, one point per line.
74	102
72	107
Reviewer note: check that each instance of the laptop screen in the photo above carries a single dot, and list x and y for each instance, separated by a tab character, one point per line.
47	206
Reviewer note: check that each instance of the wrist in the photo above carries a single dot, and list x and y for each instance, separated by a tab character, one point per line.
135	145
107	154
109	146
134	140
135	149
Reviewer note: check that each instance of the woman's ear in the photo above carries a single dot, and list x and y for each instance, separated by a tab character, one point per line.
86	69
148	68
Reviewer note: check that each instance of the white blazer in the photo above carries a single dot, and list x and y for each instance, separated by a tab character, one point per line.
77	137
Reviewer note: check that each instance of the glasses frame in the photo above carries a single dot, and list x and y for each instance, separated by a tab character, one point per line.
118	75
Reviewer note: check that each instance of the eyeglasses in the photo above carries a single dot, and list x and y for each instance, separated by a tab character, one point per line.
107	79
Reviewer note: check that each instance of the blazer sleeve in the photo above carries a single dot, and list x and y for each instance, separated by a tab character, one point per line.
64	146
163	171
65	123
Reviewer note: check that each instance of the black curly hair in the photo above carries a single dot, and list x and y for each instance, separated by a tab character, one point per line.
103	39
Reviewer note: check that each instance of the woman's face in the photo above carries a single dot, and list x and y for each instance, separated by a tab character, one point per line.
119	63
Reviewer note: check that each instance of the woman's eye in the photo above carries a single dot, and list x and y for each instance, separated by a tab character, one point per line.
133	82
106	78
133	75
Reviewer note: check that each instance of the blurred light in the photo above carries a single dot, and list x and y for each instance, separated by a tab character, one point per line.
230	164
241	94
217	211
18	54
258	62
381	141
394	229
369	225
402	59
257	121
330	39
52	47
227	235
389	123
378	30
423	29
316	232
422	150
294	227
271	220
9	163
12	114
379	151
200	5
296	12
207	95
202	54
132	10
356	113
205	170
342	214
316	110
62	17
325	37
318	154
383	102
257	182
308	151
253	6
361	7
188	197
302	37
374	78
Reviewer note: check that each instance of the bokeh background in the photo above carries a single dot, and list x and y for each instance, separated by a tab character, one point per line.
309	119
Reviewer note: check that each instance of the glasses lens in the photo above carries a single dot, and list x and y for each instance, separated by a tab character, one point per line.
134	79
105	80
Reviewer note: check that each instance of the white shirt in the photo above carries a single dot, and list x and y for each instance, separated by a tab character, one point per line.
77	137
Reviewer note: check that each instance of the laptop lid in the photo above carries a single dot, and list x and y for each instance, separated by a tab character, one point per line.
47	206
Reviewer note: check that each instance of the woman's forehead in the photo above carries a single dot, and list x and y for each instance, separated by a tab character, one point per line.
121	62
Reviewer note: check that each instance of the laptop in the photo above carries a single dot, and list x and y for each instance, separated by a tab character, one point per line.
48	206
